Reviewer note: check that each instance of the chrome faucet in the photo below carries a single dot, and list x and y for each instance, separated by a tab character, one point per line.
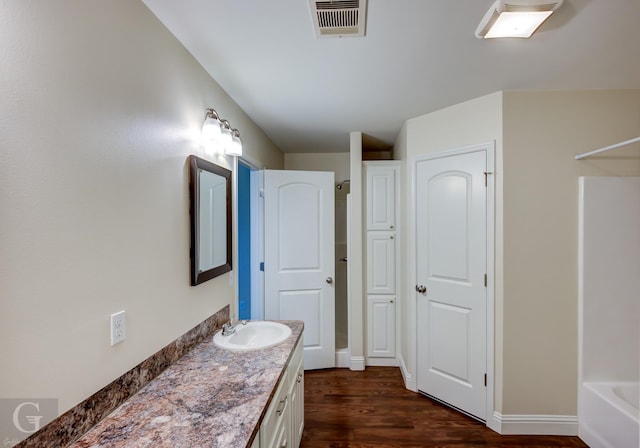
230	327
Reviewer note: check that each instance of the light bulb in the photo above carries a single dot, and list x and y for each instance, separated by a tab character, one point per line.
226	137
211	129
235	149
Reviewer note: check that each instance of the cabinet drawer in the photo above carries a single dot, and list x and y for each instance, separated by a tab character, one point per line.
276	416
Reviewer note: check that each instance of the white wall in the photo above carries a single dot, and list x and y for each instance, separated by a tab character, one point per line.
101	107
356	241
407	354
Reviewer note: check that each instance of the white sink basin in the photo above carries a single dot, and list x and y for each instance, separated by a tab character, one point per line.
253	335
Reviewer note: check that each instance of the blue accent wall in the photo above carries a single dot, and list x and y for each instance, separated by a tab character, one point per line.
244	242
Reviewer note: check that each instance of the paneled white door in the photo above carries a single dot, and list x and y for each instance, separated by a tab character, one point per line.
451	261
299	258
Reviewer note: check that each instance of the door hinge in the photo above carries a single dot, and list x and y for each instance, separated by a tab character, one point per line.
261	193
262	266
486	177
485	280
485	380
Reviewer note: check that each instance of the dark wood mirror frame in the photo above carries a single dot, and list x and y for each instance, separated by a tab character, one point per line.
198	275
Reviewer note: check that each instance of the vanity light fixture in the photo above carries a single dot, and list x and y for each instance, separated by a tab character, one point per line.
515	18
218	134
235	149
211	130
226	138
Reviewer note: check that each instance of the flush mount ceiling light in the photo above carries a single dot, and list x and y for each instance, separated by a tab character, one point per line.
515	18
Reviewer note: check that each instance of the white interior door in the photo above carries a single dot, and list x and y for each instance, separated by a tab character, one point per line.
451	261
299	258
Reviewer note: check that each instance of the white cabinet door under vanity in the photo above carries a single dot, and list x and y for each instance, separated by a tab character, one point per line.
274	428
296	392
284	420
382	205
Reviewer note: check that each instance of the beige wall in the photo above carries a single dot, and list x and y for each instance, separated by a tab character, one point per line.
542	133
536	134
469	123
101	107
337	162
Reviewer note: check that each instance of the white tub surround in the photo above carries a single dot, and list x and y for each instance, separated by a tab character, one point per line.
609	417
609	312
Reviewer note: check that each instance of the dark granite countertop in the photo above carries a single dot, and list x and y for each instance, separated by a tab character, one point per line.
208	398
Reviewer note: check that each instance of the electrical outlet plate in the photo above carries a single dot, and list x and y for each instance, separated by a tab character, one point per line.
118	327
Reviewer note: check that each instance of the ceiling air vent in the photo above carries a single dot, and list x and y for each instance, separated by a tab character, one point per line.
340	18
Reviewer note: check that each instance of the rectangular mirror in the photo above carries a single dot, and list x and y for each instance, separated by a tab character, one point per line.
210	210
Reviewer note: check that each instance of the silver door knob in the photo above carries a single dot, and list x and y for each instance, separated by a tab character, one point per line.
329	280
421	289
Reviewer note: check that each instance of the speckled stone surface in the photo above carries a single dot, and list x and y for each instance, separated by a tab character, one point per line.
84	416
208	398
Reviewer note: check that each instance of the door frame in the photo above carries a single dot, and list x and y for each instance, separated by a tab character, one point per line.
489	149
257	243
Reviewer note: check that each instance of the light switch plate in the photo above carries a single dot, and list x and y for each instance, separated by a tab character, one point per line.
118	327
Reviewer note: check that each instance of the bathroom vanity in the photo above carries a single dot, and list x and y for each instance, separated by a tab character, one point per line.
283	421
215	398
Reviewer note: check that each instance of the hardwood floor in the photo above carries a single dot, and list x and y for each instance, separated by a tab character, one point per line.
373	409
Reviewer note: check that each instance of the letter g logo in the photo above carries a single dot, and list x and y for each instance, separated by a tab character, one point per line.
34	420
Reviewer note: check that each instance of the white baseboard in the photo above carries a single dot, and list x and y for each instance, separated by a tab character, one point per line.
549	425
382	362
409	380
357	363
342	358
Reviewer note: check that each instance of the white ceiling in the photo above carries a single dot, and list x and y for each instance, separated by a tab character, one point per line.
418	56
